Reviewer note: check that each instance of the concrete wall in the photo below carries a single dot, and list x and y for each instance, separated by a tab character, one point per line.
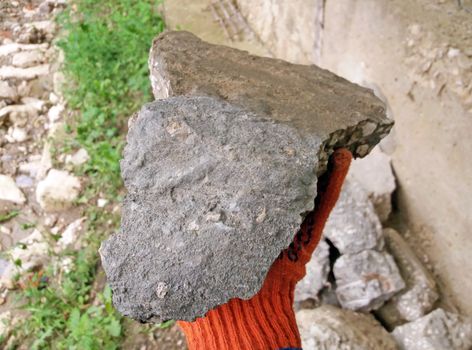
418	55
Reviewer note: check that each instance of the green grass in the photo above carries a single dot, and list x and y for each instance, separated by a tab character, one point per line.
106	45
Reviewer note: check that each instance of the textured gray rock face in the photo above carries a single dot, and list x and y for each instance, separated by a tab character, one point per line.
439	330
420	293
353	225
330	328
218	180
309	98
366	280
316	277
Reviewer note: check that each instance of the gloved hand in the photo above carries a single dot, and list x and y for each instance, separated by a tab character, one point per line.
267	320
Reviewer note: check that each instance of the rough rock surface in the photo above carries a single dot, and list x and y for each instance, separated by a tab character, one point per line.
374	173
353	225
439	330
9	191
366	280
217	184
57	191
420	293
330	328
316	277
306	97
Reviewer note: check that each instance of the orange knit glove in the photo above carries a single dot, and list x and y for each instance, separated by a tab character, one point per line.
267	320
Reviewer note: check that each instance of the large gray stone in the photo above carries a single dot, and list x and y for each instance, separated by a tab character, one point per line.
216	189
305	97
353	226
330	328
366	280
420	293
439	330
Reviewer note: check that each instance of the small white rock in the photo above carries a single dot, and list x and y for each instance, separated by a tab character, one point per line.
53	98
9	191
101	202
55	113
10	72
71	234
78	158
27	58
7	91
33	102
16	134
57	191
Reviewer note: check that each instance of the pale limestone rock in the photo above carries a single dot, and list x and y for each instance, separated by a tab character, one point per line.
101	202
70	236
18	115
7	92
374	173
55	113
10	72
366	280
45	162
78	158
439	330
353	225
33	102
16	134
420	293
9	191
330	328
316	277
57	191
27	58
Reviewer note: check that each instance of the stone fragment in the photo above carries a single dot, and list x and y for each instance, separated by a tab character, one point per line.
353	225
27	58
217	185
33	102
32	252
330	328
57	191
16	134
70	236
55	113
18	114
420	293
24	181
9	191
10	72
375	175
45	163
7	92
78	158
316	277
439	330
366	280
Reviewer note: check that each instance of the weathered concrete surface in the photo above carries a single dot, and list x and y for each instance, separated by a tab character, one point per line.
330	328
305	97
218	183
420	293
366	280
316	277
353	225
439	330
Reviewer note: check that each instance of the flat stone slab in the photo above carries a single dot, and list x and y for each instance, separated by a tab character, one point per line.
219	180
